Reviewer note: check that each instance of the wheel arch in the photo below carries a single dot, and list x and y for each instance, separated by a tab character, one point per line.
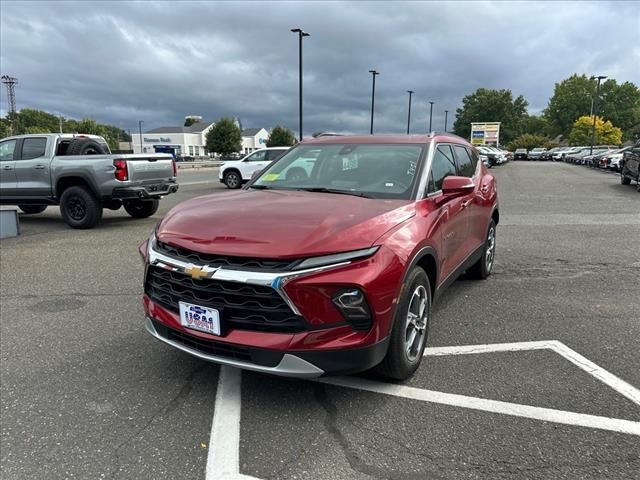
73	180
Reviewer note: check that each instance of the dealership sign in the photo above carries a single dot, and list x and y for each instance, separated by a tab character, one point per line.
157	140
487	133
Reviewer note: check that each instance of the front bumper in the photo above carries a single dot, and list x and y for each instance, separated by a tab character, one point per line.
299	364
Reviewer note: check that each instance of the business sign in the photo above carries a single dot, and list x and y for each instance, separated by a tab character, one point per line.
157	140
487	133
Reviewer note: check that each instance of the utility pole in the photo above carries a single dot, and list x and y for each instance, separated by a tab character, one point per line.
60	123
373	96
430	115
140	122
10	83
301	34
130	140
410	92
446	114
595	109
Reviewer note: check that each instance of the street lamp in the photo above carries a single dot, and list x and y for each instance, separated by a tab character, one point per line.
140	122
430	115
373	96
410	92
595	109
446	114
301	34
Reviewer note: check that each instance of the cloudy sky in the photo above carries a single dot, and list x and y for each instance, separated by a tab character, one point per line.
120	62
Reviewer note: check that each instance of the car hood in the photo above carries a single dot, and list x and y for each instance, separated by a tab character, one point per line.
280	224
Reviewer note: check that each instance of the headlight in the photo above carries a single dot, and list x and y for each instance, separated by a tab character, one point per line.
336	258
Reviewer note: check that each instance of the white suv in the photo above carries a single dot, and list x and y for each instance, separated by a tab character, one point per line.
234	174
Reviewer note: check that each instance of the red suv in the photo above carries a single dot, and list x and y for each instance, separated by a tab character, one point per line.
328	261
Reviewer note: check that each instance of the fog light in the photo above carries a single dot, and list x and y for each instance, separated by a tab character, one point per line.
353	306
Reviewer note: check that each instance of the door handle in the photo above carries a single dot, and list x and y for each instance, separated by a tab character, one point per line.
39	167
465	204
7	167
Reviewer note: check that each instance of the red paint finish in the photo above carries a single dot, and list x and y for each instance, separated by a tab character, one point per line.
277	224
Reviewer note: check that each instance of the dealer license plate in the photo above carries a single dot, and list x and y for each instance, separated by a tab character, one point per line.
204	319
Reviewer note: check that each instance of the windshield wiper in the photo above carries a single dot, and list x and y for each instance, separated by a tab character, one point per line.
333	190
261	187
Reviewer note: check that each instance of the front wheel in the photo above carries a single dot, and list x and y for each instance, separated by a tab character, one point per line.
410	328
32	208
232	179
482	268
141	208
79	208
624	180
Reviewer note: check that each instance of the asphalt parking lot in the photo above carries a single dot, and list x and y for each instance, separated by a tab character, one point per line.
532	373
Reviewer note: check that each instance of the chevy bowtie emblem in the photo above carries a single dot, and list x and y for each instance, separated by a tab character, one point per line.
195	272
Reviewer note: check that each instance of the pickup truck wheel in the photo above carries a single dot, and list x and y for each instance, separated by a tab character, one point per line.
410	328
624	180
232	179
79	208
32	208
141	208
482	268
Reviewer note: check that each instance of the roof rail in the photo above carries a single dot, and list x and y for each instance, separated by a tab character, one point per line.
446	134
326	134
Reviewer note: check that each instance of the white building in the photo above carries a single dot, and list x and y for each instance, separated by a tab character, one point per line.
191	141
254	139
179	141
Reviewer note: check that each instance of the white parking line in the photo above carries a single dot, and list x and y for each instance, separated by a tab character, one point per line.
493	406
223	460
619	385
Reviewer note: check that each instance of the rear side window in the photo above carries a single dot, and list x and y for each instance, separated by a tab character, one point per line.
474	158
443	166
273	154
6	150
465	166
33	148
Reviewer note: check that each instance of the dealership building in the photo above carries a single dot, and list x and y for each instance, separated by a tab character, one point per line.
191	141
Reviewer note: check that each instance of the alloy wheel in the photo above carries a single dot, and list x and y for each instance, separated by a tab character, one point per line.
416	323
490	251
76	208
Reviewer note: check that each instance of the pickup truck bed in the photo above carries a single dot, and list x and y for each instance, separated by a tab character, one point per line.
41	170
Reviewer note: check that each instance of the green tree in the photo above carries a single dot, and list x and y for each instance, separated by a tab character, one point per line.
486	105
529	141
620	103
606	133
571	99
224	137
535	125
189	121
281	137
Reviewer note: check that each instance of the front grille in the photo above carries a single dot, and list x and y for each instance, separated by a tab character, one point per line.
238	263
217	349
243	306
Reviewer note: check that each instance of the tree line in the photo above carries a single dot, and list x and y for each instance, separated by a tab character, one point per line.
568	114
30	121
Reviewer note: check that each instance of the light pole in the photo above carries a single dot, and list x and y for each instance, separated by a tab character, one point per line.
446	114
430	115
410	92
373	96
140	122
595	109
301	34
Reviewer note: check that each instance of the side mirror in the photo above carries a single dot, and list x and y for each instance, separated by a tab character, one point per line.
453	186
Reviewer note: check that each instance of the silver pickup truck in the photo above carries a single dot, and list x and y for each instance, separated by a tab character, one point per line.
79	173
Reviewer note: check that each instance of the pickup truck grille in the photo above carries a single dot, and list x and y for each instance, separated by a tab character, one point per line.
242	306
238	263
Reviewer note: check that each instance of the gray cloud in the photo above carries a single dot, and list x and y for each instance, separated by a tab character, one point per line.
122	61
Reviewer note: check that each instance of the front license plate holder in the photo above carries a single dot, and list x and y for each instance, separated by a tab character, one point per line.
197	317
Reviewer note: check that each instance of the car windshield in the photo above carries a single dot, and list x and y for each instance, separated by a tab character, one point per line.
374	171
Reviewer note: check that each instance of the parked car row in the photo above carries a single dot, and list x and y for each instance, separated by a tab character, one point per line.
624	160
492	156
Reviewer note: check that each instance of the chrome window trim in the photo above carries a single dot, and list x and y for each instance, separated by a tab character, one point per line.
425	172
275	280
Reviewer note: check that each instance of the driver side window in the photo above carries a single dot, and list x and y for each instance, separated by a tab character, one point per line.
443	166
257	157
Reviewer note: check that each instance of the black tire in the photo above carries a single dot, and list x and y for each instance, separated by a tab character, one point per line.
398	364
85	146
141	208
232	179
79	208
624	180
482	268
32	208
